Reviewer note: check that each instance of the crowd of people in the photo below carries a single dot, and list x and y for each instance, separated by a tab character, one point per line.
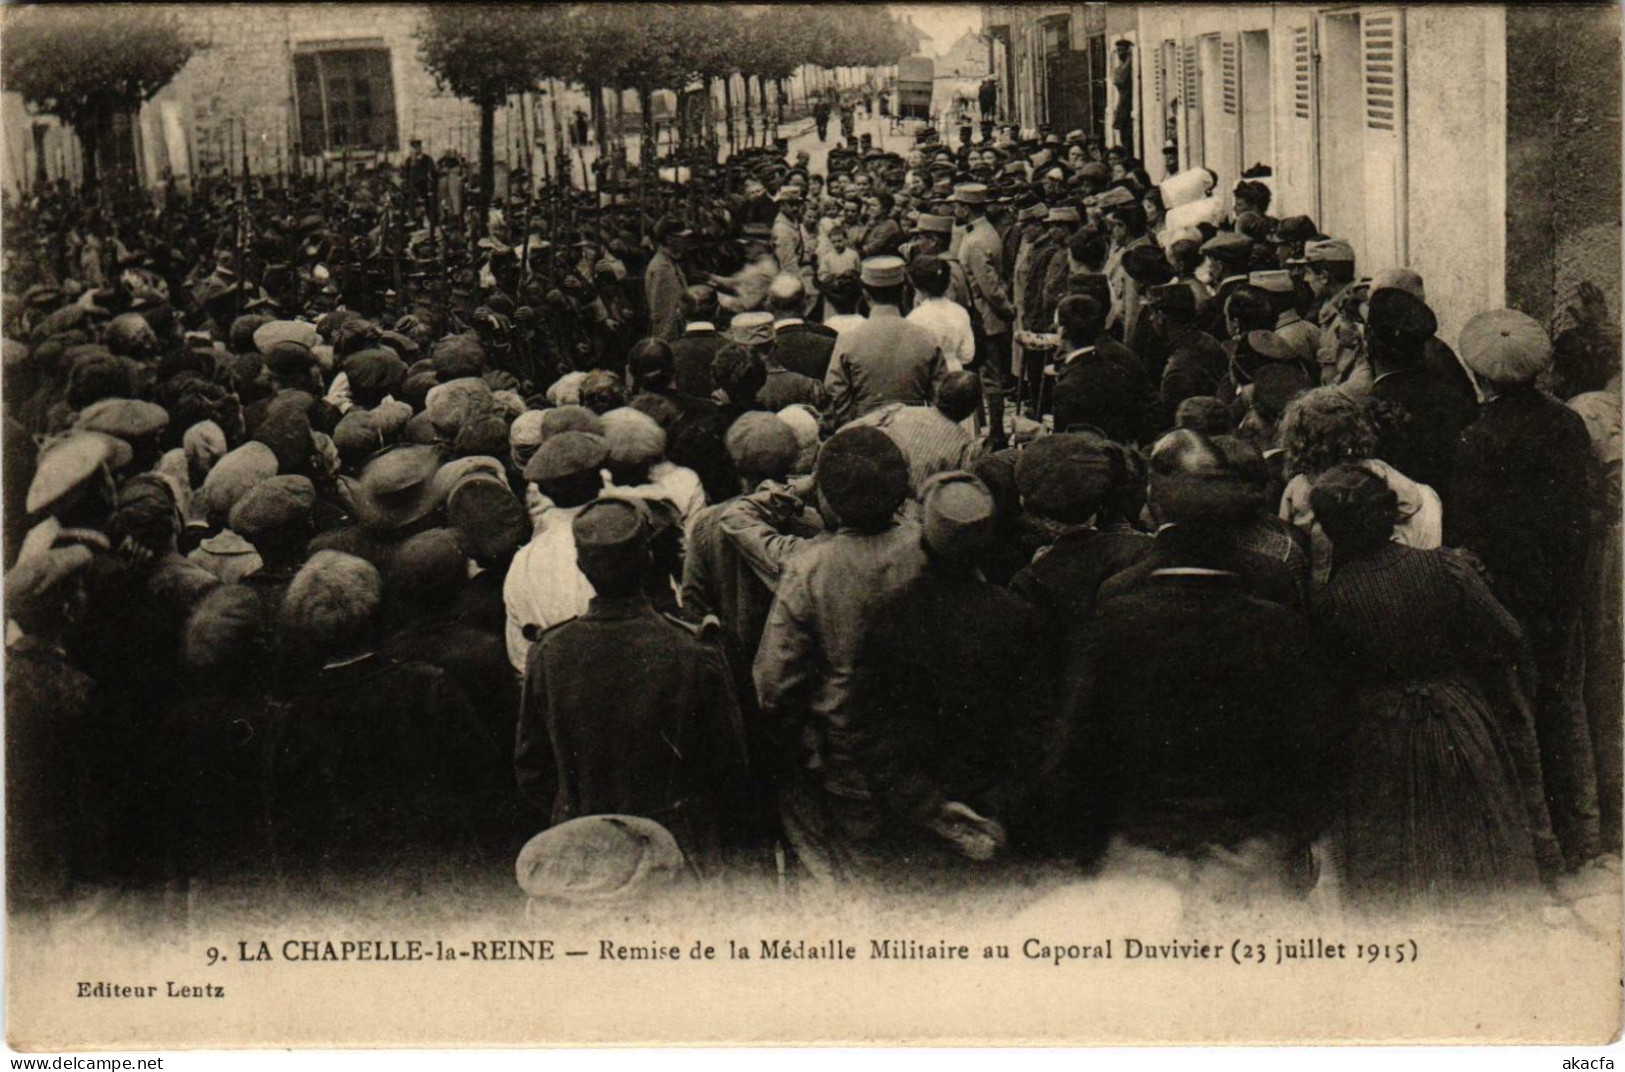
924	516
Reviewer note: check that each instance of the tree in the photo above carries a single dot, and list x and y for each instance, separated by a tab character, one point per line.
93	68
595	41
776	46
715	42
485	60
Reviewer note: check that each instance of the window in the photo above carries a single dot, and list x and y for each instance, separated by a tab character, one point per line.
346	99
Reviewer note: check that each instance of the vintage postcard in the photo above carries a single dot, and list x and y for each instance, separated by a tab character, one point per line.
782	524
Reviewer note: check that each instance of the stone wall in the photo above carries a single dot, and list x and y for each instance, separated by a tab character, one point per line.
1563	154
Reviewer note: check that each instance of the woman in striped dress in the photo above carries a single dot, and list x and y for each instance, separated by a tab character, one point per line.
1432	812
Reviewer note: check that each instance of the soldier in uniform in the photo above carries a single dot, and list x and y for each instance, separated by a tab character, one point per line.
627	711
1328	268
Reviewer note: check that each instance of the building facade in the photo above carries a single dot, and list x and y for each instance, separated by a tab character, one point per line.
306	87
1479	145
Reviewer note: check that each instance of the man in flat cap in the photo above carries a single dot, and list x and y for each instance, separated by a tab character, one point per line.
961	703
1226	263
1523	484
1328	268
886	358
379	762
809	677
626	711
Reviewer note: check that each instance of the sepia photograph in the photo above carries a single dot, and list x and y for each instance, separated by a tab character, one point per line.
606	524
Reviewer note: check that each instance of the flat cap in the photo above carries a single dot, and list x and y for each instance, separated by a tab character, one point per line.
123	418
957	515
1228	245
1326	251
1116	197
1147	265
488	516
883	272
1064	476
268	335
450	405
233	476
634	438
275	503
375	369
66	462
567	454
1276	281
1400	314
289	358
355	437
570	419
862	474
762	445
427	566
612	536
599	860
1407	279
1505	346
751	329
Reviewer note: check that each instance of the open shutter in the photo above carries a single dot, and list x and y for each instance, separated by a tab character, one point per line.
1297	184
1162	86
1232	81
1230	109
307	82
1382	64
1192	94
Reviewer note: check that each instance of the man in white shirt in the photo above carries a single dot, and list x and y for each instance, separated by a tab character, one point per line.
947	320
544	586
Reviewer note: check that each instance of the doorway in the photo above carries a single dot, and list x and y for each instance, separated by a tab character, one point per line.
1257	101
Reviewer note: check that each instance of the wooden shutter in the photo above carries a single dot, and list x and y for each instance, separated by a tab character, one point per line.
1227	156
1162	87
307	83
1382	64
1192	93
1302	73
1232	78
